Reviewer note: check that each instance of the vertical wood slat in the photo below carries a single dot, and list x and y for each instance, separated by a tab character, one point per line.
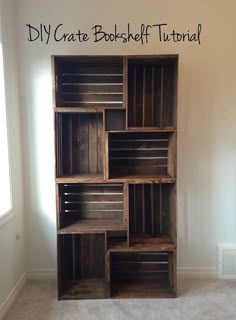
93	145
83	139
57	83
70	143
58	145
172	155
135	93
143	210
161	102
125	89
144	95
160	208
152	95
173	212
106	155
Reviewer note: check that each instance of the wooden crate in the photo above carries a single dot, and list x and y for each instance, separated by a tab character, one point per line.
88	82
142	275
81	266
141	154
79	144
90	207
152	87
152	212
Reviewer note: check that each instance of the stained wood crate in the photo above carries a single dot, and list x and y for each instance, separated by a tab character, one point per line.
146	154
90	207
81	267
79	144
142	275
152	87
152	212
89	82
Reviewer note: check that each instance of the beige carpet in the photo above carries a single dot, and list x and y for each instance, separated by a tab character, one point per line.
202	300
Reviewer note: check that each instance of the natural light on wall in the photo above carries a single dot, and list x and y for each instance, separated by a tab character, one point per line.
5	187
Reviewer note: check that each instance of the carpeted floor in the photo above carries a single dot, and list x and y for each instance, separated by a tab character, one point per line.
197	299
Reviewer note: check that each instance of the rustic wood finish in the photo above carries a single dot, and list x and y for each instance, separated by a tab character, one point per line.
115	150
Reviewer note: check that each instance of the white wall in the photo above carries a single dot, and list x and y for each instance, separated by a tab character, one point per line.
12	255
206	115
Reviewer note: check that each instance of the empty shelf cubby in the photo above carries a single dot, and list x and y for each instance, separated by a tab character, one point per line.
116	239
87	82
81	261
115	120
142	274
79	144
141	154
90	207
152	214
152	87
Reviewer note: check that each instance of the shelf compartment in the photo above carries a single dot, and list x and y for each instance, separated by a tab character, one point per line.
89	82
152	214
79	144
90	207
115	120
117	239
81	267
152	92
143	274
146	154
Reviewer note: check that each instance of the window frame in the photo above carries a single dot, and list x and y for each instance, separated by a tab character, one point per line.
11	134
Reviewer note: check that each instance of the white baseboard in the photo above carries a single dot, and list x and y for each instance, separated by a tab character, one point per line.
197	273
6	305
42	274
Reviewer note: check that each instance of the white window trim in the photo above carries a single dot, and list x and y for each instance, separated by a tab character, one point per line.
11	120
10	214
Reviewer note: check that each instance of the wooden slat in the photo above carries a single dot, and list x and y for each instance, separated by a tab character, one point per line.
91	226
172	155
93	99
138	153
144	243
131	178
77	78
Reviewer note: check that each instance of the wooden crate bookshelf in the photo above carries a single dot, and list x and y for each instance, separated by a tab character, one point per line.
115	149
